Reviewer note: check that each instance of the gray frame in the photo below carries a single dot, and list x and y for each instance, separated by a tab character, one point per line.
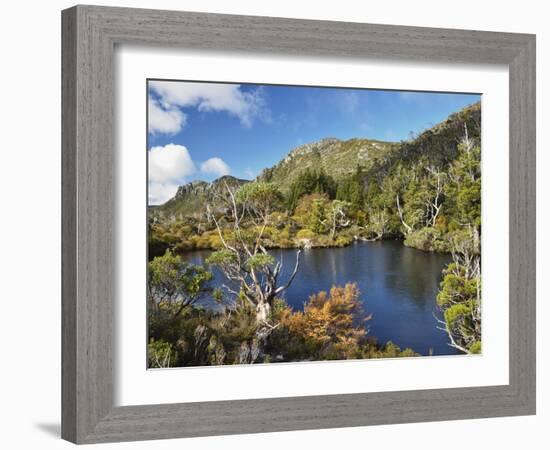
90	34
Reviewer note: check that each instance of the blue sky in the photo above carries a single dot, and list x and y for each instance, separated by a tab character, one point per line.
205	130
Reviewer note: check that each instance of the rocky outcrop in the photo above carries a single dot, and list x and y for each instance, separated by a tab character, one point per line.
335	157
191	198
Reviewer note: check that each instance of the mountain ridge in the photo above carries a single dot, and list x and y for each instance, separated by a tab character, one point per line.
337	158
190	198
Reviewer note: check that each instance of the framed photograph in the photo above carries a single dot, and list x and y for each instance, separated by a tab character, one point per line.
277	224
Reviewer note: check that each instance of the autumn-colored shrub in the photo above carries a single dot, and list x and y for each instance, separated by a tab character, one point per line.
331	323
332	326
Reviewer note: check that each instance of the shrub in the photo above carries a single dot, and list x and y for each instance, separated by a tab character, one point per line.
305	234
343	241
331	324
427	239
475	348
174	282
389	350
160	354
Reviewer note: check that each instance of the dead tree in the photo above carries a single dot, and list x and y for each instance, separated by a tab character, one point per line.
338	218
408	228
434	204
252	273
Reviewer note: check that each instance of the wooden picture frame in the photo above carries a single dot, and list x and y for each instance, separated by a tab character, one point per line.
90	34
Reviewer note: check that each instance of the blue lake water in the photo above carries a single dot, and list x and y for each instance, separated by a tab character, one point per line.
398	287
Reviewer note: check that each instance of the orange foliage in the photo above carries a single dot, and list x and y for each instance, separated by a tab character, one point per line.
330	321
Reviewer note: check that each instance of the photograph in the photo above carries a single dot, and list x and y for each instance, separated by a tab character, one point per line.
267	226
296	223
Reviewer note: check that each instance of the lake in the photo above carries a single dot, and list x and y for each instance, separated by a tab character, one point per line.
398	287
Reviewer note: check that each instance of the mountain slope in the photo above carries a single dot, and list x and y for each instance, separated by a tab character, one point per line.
438	145
335	157
191	199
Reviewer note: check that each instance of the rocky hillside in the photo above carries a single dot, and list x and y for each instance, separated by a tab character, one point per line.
191	198
335	157
437	145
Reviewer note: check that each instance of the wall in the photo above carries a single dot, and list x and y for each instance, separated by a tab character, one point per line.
30	226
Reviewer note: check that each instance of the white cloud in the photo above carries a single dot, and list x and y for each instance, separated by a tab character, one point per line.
160	193
170	163
167	119
216	166
247	106
168	167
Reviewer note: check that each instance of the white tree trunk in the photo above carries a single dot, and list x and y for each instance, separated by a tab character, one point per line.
263	311
400	212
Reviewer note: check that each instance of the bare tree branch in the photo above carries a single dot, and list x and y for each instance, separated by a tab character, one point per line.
291	279
400	212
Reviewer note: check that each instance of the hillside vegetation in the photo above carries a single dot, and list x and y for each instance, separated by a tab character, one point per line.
425	191
336	158
335	192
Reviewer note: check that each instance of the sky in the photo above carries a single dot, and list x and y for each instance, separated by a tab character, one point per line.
201	131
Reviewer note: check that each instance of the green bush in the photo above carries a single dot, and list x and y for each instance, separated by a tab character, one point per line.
475	348
343	241
428	239
305	233
160	354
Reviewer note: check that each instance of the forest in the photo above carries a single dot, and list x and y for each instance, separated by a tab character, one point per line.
424	192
